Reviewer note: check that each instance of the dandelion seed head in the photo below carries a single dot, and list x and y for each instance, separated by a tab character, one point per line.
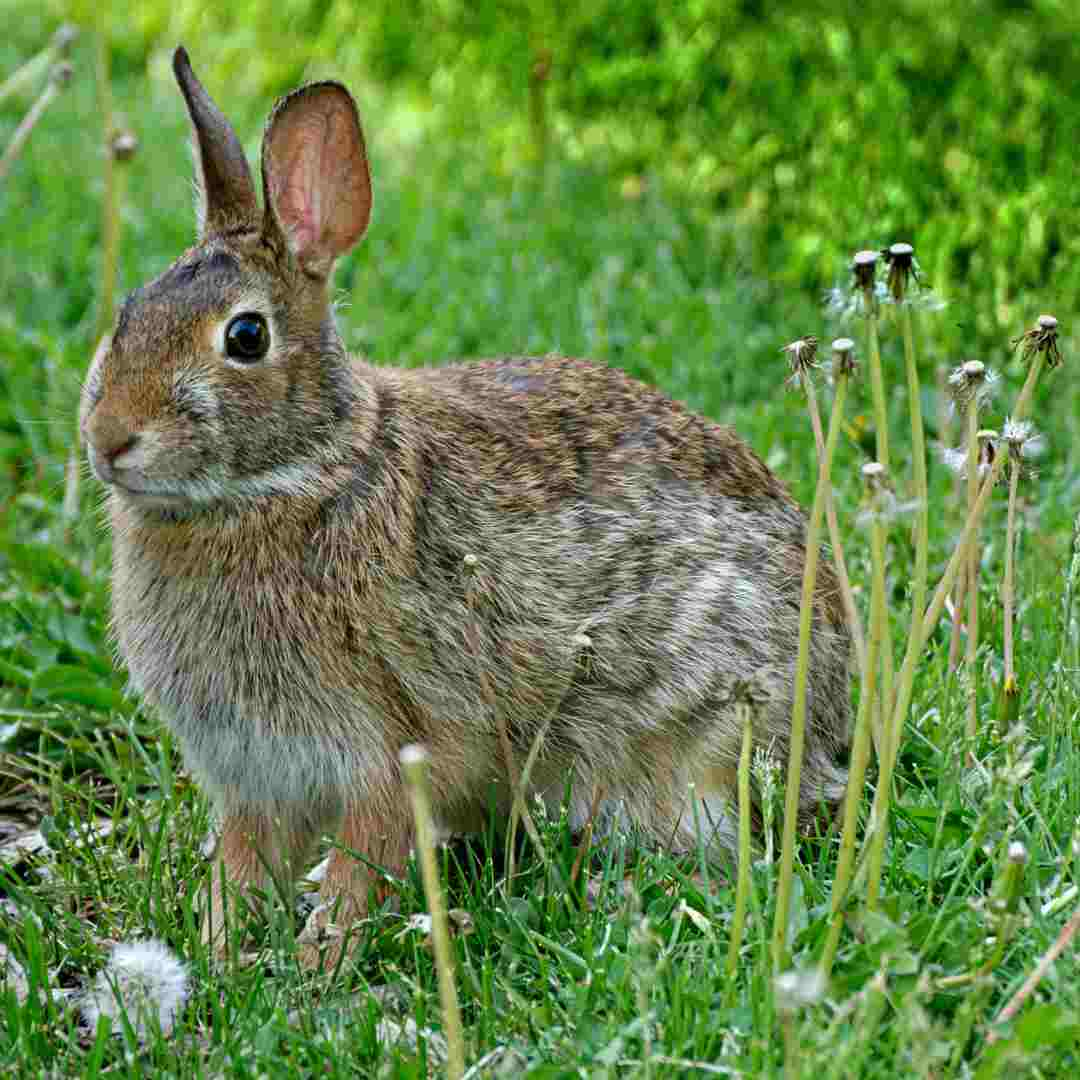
142	980
864	267
802	358
843	357
796	990
903	269
1041	338
971	382
1017	853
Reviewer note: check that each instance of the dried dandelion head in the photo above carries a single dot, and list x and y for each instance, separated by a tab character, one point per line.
903	269
795	990
802	359
880	504
124	146
864	269
955	459
843	357
1041	338
144	981
971	382
1023	443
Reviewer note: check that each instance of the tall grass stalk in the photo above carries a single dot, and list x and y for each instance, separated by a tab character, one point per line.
901	270
1038	357
843	366
802	358
971	426
59	77
1010	689
864	267
878	827
414	765
873	473
27	73
744	712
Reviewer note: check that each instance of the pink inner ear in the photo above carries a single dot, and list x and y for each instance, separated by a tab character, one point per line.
299	202
318	183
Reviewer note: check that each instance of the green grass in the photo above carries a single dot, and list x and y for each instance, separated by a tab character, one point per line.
466	258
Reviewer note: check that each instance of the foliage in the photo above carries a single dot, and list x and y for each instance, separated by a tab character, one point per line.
709	168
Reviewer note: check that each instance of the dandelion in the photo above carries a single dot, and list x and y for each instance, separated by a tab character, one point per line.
1042	339
414	765
903	269
1022	442
878	493
802	359
143	981
971	382
970	386
794	991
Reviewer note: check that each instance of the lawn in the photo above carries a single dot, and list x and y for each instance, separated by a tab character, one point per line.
692	195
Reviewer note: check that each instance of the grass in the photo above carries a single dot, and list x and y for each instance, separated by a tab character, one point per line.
624	975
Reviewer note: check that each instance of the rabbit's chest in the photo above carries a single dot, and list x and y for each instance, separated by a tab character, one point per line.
264	709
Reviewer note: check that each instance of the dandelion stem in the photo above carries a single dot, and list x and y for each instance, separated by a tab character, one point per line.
60	77
860	750
918	450
972	575
414	764
742	886
1010	577
933	612
847	594
798	710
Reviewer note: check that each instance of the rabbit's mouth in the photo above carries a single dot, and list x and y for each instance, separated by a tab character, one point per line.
149	498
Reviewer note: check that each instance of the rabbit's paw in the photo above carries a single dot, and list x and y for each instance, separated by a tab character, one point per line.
329	936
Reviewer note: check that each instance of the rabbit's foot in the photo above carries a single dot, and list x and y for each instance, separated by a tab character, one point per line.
330	935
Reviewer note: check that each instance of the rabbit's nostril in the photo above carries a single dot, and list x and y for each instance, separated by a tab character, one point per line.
122	446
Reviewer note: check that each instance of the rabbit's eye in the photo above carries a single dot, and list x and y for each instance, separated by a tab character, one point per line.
247	338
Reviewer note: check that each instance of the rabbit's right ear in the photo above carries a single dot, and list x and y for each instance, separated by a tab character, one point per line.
317	189
227	197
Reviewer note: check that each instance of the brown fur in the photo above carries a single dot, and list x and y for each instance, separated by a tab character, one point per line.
290	586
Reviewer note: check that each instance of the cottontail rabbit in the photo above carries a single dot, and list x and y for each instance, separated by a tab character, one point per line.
317	562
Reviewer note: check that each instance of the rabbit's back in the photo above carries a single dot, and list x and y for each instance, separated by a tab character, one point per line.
630	562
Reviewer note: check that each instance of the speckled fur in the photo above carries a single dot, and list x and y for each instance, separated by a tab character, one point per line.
289	585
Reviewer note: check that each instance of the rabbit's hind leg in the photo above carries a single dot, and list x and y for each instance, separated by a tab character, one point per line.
253	846
373	848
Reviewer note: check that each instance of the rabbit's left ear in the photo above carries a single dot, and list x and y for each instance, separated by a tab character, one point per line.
227	197
316	182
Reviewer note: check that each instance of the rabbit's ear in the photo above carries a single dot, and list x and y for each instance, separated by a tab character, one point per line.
227	197
316	184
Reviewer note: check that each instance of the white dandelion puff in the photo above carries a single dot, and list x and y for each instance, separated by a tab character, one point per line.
144	981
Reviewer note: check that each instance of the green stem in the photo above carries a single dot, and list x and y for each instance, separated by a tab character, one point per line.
1010	577
937	603
742	887
877	383
918	450
847	594
860	751
971	726
798	709
414	765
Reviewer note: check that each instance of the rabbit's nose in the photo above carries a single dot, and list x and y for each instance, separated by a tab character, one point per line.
109	439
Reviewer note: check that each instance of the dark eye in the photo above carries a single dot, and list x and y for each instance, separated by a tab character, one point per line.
247	338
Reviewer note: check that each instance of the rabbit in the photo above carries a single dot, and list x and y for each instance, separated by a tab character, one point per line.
317	561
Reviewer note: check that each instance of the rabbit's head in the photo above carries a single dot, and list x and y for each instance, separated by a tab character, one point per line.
225	378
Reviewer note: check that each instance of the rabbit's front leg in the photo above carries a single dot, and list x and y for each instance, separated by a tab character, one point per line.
381	831
252	847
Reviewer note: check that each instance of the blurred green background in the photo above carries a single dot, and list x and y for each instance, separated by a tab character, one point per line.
670	187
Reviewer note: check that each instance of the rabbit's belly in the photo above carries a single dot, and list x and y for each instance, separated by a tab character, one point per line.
248	765
302	751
